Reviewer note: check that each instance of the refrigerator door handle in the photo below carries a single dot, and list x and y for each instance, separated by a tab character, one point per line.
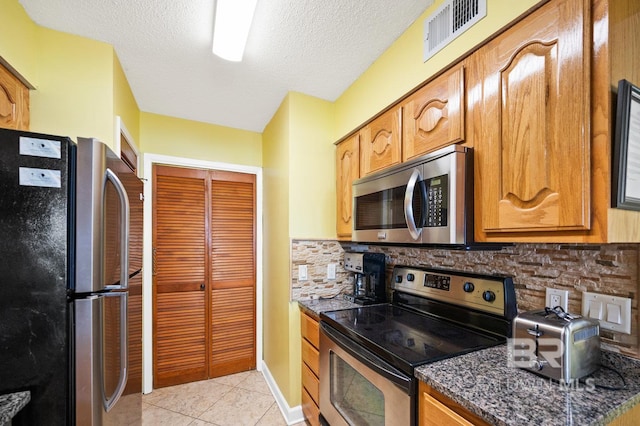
111	400
124	230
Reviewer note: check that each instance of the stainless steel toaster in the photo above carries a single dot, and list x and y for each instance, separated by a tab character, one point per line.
555	344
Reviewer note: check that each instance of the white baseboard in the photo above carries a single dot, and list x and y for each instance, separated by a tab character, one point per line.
292	415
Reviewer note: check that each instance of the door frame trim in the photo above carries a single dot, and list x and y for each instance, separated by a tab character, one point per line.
147	280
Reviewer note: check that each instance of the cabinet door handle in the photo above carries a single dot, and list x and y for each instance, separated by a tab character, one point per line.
202	287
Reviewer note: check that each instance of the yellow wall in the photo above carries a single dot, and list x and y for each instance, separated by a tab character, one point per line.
18	39
124	103
400	68
299	191
312	200
176	137
276	276
74	95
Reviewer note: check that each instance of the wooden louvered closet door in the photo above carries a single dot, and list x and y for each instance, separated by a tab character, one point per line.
204	274
233	277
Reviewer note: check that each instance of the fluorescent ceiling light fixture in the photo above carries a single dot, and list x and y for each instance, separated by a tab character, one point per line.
231	27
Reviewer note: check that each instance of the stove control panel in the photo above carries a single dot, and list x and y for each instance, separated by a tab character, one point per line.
486	293
440	282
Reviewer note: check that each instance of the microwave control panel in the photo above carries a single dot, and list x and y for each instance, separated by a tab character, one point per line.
437	200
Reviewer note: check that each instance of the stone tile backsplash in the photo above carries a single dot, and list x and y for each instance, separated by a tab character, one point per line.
608	268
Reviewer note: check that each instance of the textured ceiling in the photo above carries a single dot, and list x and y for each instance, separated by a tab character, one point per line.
316	47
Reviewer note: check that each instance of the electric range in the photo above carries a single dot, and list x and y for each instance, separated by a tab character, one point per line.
435	314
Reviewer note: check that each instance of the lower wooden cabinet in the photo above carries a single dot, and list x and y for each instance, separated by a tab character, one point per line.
310	331
310	409
435	409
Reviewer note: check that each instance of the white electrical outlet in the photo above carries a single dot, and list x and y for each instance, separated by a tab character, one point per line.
331	271
614	313
302	273
557	297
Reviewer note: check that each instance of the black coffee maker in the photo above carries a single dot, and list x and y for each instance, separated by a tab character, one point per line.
368	278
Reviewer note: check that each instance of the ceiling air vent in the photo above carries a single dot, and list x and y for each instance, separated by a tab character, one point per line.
450	20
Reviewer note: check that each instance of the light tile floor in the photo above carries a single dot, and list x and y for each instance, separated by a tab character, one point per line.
238	399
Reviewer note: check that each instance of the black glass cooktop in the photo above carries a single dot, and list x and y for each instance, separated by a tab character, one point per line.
405	337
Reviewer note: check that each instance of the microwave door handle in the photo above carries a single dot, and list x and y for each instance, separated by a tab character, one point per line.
124	230
414	231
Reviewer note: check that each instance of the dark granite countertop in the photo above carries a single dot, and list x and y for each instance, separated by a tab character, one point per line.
483	383
11	403
314	307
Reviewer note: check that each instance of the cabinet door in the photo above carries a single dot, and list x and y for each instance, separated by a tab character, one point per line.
14	102
433	117
347	170
533	141
380	147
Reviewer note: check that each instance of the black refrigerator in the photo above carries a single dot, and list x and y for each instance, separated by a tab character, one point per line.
70	281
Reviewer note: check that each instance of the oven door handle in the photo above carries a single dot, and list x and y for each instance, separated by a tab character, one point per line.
386	370
409	218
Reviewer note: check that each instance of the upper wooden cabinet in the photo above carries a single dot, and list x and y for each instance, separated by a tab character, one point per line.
433	117
347	170
14	102
537	103
532	142
380	144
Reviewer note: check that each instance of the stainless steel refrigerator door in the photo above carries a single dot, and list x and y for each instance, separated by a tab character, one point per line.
101	361
102	220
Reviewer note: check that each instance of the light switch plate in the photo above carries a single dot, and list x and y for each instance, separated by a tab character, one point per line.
302	273
557	297
605	307
331	271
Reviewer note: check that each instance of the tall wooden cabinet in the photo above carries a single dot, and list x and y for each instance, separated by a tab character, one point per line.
533	143
347	170
542	128
14	102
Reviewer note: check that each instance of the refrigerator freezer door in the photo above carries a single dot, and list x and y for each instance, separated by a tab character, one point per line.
101	361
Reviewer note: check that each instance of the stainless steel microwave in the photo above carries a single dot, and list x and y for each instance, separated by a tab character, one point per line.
426	201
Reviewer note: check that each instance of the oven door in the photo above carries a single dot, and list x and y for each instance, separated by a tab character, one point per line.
359	388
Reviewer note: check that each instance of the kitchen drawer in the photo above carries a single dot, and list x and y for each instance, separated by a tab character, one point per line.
310	409
435	413
311	383
311	357
310	330
436	409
